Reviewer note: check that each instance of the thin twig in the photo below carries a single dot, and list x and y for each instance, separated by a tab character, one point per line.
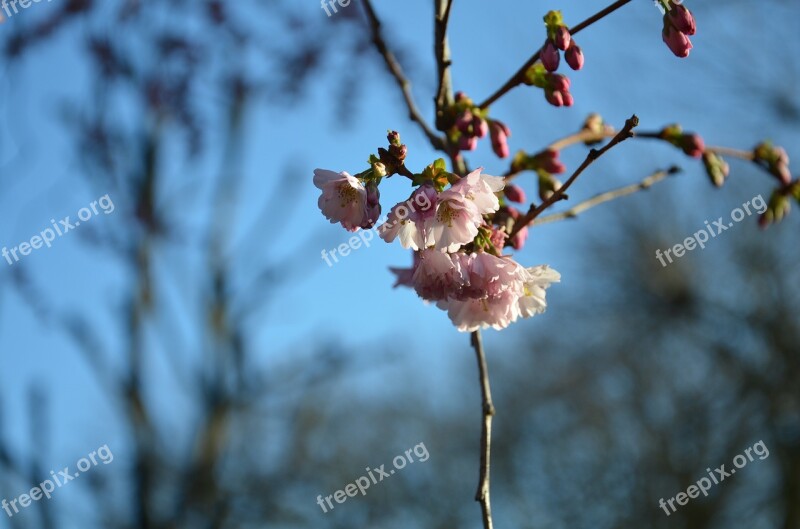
519	76
482	495
560	193
444	92
734	153
608	196
402	81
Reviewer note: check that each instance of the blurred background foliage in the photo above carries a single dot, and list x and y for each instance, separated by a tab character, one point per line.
193	331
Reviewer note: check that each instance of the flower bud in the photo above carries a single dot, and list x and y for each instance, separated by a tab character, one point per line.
779	206
562	38
467	143
682	19
464	121
558	82
548	160
594	123
499	134
676	40
372	206
394	138
692	145
514	193
716	168
518	240
379	169
479	127
574	56
554	98
550	56
399	152
775	160
548	185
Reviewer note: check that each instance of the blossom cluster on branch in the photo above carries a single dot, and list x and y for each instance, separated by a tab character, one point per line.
459	223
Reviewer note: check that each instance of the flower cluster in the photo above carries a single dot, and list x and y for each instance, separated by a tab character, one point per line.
466	123
457	228
679	24
559	38
555	86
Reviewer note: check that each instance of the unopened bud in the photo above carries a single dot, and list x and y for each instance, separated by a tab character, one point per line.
499	133
562	38
716	168
676	40
550	56
514	193
574	56
682	19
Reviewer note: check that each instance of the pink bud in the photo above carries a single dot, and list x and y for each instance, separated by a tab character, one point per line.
515	194
676	40
549	161
562	38
479	127
467	143
463	121
558	82
499	133
550	56
682	19
693	145
518	240
568	100
574	56
554	98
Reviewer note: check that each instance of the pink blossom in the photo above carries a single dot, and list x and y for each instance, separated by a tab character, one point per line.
399	224
343	198
474	314
489	276
455	223
535	280
481	189
438	275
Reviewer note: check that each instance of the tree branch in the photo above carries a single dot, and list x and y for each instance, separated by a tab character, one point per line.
608	196
482	495
402	81
560	193
519	76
